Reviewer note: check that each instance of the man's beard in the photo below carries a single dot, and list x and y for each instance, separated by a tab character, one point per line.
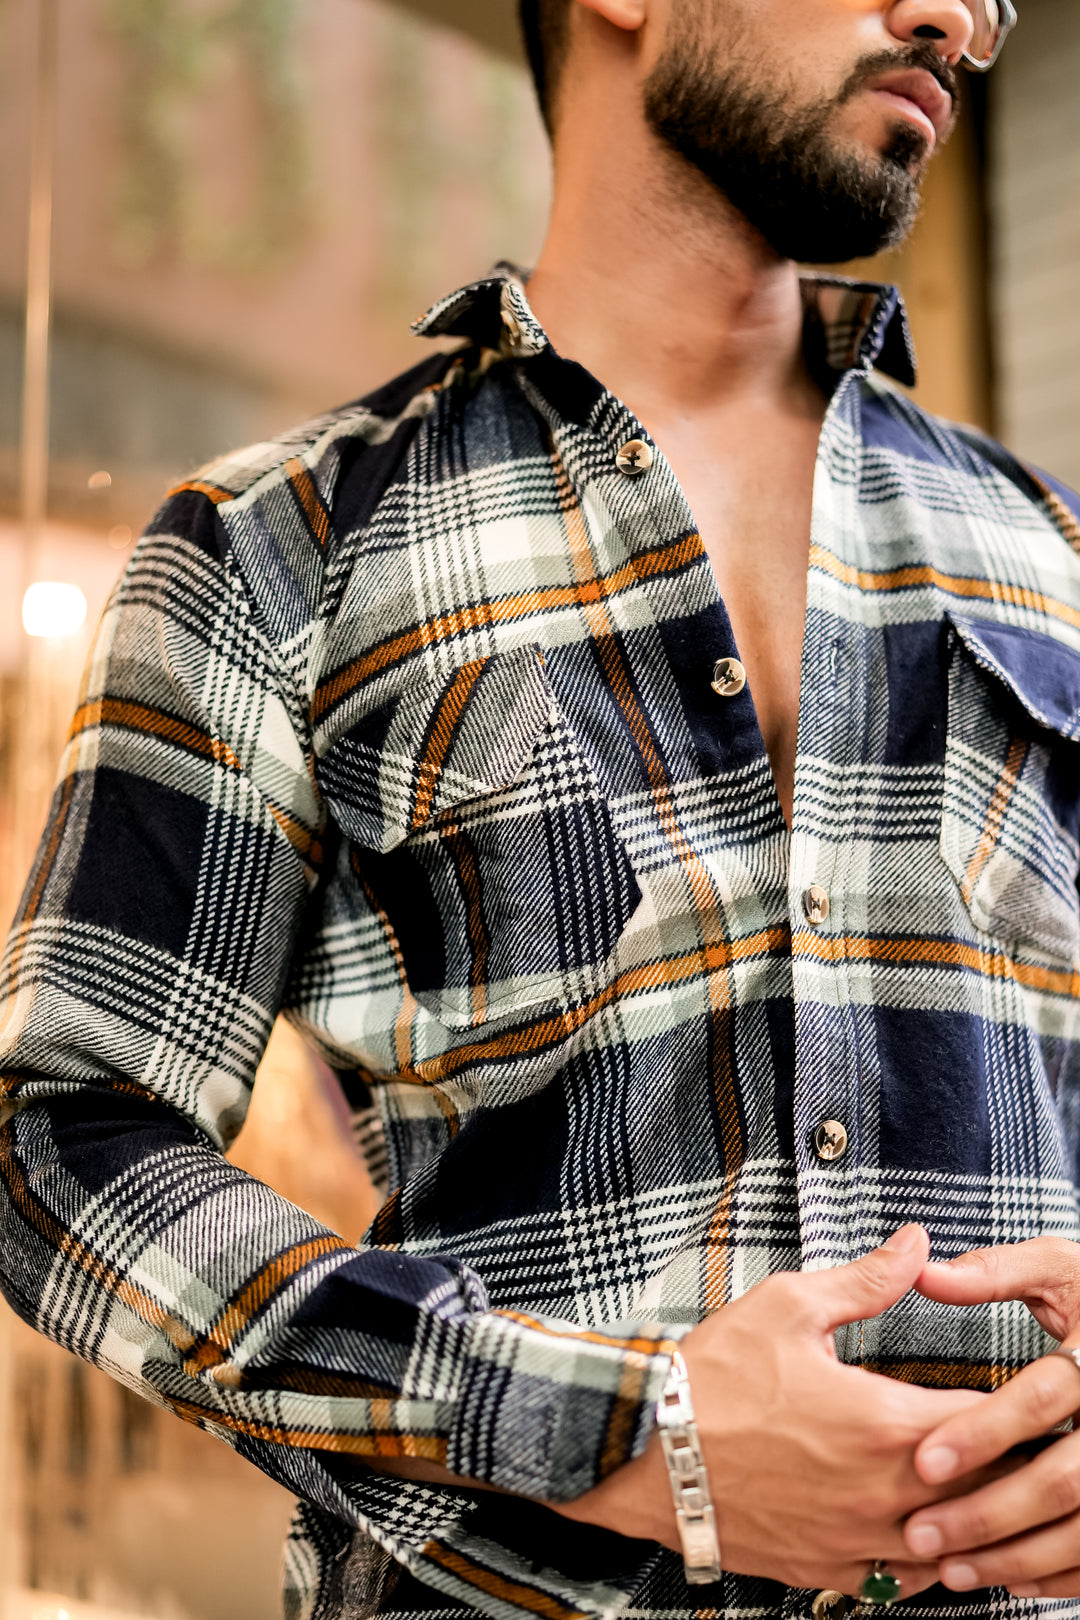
781	169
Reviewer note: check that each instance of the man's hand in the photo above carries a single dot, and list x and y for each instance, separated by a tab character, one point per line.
810	1461
1024	1531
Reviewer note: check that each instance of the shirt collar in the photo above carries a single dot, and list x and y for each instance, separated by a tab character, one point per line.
848	325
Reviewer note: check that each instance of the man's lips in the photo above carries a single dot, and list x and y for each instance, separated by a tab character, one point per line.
919	97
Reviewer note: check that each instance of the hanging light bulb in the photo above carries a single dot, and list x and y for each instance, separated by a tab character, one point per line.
53	609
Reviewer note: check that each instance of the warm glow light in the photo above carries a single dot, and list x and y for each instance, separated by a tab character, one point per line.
52	609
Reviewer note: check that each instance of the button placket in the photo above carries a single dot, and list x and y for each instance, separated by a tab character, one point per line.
829	1135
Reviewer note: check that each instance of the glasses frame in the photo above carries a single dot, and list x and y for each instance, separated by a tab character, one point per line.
1005	28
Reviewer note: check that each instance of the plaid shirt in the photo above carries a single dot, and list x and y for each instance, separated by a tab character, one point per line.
405	724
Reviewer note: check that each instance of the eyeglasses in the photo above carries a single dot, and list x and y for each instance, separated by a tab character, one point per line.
994	21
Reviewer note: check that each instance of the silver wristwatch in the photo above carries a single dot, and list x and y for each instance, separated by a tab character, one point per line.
689	1481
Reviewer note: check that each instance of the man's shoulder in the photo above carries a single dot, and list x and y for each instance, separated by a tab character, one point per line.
275	514
325	442
895	423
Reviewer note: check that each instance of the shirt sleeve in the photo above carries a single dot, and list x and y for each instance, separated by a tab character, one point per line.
140	981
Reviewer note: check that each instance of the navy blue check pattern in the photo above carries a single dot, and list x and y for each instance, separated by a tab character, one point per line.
403	724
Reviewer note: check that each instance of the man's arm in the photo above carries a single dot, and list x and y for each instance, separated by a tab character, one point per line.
140	982
811	1462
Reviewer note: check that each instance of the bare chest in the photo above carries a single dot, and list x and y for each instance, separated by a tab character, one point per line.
752	500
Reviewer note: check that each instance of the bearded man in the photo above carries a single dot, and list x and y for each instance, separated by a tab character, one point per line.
641	750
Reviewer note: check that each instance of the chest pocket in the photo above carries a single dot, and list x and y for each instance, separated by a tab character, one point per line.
479	830
1009	824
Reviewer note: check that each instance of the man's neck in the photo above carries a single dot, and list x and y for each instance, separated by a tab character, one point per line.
657	286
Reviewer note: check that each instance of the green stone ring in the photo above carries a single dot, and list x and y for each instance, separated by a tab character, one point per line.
881	1586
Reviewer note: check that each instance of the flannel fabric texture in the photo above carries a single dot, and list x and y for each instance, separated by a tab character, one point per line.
403	724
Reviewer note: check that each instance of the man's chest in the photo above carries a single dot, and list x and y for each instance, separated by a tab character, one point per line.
750	488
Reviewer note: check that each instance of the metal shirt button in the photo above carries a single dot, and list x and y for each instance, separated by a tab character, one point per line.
635	457
511	332
728	677
815	904
830	1140
830	1605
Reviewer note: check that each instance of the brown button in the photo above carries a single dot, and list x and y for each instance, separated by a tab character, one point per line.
830	1140
728	677
815	904
228	1375
511	330
635	457
830	1606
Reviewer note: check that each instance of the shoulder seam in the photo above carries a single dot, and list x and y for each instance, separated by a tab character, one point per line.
253	463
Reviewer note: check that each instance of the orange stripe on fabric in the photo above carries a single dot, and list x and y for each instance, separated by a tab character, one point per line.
428	1446
153	722
995	815
213	492
907	952
12	1084
1064	518
306	843
499	611
388	1222
899	579
985	1375
1063	515
650	976
239	1313
643	1347
140	717
442	734
486	1580
623	1422
303	487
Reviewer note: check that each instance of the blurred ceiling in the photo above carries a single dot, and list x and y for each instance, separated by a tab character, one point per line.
492	22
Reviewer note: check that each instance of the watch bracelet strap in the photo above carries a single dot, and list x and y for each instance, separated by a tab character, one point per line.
694	1512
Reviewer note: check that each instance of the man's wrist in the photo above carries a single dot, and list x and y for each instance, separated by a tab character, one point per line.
695	1515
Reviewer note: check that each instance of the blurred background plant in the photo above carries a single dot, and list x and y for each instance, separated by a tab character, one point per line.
252	200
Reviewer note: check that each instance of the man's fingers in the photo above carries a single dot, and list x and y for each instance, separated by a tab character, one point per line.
1029	1559
871	1284
979	1276
1043	1272
1007	1271
1026	1408
1046	1489
1066	1584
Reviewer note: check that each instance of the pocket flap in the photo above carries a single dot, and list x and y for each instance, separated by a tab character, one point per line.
435	746
1042	673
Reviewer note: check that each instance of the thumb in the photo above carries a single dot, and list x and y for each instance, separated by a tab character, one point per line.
870	1285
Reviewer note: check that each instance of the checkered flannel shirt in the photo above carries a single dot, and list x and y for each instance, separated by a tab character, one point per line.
404	724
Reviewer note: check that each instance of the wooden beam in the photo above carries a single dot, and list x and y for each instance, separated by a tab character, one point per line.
491	22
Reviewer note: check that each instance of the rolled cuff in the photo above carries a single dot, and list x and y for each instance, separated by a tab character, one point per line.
547	1409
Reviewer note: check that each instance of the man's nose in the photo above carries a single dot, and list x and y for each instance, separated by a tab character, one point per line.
947	23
